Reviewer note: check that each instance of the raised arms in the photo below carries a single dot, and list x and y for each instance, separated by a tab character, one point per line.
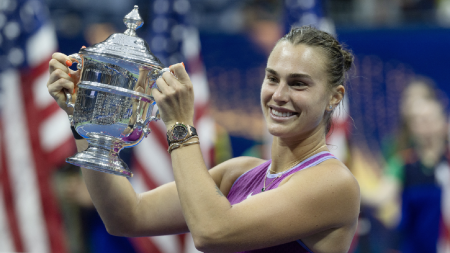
319	205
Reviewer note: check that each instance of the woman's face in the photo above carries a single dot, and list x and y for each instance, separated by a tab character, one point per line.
295	93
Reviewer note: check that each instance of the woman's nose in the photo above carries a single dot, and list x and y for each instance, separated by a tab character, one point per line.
281	94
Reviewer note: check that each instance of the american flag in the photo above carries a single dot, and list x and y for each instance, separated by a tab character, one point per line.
34	133
35	137
172	39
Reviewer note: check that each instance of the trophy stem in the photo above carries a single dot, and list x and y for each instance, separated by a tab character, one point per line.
102	155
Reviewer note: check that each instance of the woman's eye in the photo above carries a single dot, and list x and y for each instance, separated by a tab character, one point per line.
298	84
271	79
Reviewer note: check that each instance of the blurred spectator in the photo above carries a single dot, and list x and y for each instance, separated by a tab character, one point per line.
422	155
85	22
403	207
420	88
262	20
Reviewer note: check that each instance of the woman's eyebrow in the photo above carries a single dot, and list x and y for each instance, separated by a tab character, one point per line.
298	75
271	71
292	75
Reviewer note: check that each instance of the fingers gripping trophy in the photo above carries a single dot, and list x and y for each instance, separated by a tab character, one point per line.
112	101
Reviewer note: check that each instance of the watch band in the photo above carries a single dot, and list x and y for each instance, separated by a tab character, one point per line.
193	130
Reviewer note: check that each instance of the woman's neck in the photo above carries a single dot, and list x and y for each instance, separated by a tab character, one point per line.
287	153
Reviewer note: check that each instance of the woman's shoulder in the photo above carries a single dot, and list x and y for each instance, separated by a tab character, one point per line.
334	171
232	169
330	181
331	191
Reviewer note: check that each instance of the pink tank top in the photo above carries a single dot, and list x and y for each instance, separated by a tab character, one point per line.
251	183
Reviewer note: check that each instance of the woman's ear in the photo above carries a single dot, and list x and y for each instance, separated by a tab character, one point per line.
337	95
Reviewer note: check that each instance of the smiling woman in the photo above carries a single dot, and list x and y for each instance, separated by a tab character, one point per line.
302	200
336	61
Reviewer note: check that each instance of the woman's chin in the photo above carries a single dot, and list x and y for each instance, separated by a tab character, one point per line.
278	131
293	132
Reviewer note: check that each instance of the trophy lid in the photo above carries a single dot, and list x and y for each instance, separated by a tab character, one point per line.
126	45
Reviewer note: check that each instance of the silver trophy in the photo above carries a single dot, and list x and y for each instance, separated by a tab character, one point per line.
114	104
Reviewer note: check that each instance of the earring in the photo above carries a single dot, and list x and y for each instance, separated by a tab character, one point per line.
331	107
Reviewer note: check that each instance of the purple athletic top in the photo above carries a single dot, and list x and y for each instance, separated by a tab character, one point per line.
251	182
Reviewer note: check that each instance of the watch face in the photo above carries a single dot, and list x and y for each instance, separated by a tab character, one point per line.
179	132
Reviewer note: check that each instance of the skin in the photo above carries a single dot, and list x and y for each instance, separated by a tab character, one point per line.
319	205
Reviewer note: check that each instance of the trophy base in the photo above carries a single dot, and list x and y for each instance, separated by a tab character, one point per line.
99	159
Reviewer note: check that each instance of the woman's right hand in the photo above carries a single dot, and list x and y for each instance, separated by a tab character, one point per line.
62	79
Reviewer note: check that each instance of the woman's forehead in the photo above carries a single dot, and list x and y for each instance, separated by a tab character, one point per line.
302	59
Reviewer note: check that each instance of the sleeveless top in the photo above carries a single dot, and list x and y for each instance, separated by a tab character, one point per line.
251	183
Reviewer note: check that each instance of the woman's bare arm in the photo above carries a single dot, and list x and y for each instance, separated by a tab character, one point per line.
156	212
126	213
123	211
313	201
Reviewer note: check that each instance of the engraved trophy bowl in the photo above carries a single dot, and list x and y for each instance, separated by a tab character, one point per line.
113	104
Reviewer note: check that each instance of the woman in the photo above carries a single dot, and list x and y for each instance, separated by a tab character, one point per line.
272	206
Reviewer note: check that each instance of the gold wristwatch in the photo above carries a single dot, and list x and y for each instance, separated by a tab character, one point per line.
180	132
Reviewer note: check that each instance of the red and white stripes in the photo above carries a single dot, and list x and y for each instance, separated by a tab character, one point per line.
32	131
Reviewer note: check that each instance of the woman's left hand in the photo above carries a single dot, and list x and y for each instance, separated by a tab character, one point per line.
175	97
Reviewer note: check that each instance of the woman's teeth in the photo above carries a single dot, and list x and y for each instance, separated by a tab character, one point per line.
281	114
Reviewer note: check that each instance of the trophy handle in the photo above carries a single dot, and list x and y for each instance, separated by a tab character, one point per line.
145	125
155	75
77	59
69	99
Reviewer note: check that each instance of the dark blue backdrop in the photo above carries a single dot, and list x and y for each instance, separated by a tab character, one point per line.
425	49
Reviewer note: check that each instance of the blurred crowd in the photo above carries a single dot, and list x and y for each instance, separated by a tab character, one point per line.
374	13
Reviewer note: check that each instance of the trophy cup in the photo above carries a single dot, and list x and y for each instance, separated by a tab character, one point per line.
114	105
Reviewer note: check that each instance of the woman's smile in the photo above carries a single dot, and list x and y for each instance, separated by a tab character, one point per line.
280	114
